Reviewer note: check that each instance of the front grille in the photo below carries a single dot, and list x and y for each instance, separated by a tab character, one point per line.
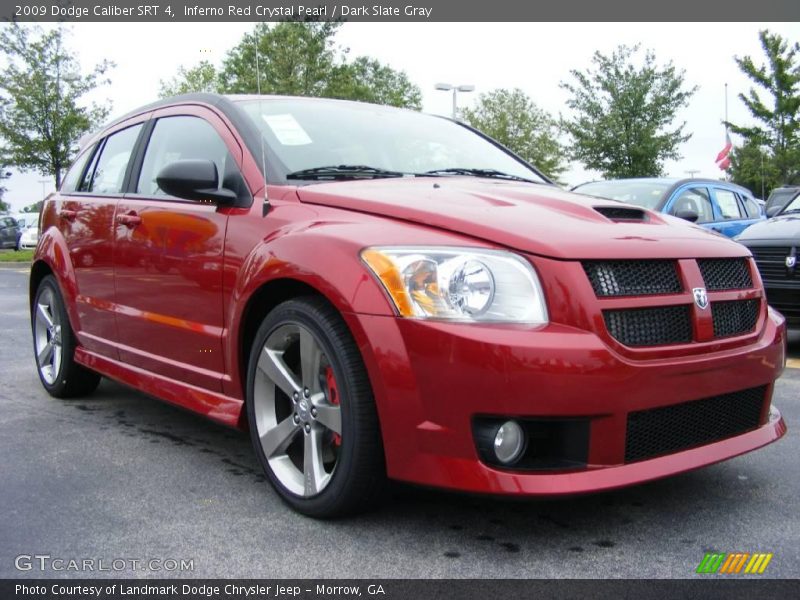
735	317
725	273
633	277
650	326
771	262
787	302
670	429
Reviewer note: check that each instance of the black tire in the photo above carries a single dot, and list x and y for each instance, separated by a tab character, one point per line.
358	479
69	380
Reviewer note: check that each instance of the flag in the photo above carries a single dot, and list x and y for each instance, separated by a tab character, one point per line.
722	160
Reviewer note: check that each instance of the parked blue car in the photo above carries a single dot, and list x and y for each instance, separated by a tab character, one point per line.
717	205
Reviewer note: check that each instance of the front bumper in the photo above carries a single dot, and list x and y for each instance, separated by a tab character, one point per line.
431	380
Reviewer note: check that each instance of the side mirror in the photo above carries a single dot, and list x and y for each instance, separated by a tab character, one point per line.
194	180
773	210
687	215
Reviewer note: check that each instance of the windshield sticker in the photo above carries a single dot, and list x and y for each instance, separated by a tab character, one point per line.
287	130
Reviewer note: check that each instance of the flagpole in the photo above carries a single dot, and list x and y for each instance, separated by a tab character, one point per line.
726	121
726	108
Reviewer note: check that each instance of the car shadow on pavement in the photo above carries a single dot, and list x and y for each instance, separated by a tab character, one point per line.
455	523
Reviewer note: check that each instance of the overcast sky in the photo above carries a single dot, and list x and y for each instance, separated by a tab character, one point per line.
532	56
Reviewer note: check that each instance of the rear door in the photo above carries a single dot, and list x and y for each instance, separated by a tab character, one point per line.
89	198
169	252
732	216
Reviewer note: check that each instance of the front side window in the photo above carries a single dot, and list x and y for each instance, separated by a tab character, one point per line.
182	138
695	200
728	205
107	174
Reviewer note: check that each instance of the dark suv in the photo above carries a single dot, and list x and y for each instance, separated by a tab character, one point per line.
9	233
774	244
780	197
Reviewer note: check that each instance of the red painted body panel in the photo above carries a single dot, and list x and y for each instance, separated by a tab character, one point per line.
162	308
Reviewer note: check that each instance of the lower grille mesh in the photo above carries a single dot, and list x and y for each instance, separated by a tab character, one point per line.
650	326
670	429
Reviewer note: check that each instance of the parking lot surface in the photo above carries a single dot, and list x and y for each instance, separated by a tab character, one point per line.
119	475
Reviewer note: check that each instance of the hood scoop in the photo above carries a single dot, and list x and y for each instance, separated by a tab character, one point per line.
623	213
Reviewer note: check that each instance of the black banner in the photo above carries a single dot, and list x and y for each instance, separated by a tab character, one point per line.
395	589
399	10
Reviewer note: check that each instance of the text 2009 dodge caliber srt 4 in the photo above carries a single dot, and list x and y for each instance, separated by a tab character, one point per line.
380	293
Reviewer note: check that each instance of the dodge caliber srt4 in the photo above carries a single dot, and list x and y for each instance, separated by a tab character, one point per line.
381	294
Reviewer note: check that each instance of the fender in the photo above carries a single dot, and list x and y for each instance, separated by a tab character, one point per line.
52	251
291	254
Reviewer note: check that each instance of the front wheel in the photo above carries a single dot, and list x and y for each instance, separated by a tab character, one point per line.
54	345
311	412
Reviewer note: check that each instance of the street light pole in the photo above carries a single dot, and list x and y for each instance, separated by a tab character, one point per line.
446	87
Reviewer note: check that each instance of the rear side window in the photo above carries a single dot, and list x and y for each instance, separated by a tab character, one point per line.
107	173
73	176
181	138
728	204
696	200
753	211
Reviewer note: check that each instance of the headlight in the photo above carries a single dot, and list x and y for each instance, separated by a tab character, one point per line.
459	284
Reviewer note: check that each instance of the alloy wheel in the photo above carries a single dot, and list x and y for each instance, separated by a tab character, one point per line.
297	410
47	336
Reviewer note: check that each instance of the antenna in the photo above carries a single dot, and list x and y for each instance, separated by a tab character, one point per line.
265	206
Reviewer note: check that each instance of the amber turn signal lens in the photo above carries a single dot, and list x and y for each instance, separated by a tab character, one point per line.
390	277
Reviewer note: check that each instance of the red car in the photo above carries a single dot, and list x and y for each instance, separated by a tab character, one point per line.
377	293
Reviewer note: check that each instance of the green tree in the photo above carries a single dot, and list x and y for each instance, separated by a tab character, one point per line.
203	77
752	166
623	114
298	58
4	174
511	117
367	80
778	115
43	111
294	58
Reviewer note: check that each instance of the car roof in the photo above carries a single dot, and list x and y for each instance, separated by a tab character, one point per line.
674	182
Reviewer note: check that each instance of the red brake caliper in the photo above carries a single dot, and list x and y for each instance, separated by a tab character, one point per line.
333	398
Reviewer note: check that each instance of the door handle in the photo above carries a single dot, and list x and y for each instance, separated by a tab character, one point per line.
68	215
130	220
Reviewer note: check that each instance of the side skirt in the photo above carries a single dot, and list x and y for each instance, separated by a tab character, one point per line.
218	407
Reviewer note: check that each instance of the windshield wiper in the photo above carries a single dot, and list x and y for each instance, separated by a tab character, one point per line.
343	172
490	173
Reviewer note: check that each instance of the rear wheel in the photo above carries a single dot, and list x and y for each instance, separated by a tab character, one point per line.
54	345
311	411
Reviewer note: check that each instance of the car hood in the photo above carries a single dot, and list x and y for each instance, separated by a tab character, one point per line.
539	219
786	228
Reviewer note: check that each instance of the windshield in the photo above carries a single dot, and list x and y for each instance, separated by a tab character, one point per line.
793	206
780	197
647	194
308	134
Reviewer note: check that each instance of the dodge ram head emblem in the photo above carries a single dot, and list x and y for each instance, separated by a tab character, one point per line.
791	261
700	297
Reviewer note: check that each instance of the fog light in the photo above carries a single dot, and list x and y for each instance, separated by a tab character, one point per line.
509	442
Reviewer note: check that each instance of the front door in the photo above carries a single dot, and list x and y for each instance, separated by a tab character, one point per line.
168	256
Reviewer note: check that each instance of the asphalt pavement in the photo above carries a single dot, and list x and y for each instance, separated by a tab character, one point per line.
122	476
